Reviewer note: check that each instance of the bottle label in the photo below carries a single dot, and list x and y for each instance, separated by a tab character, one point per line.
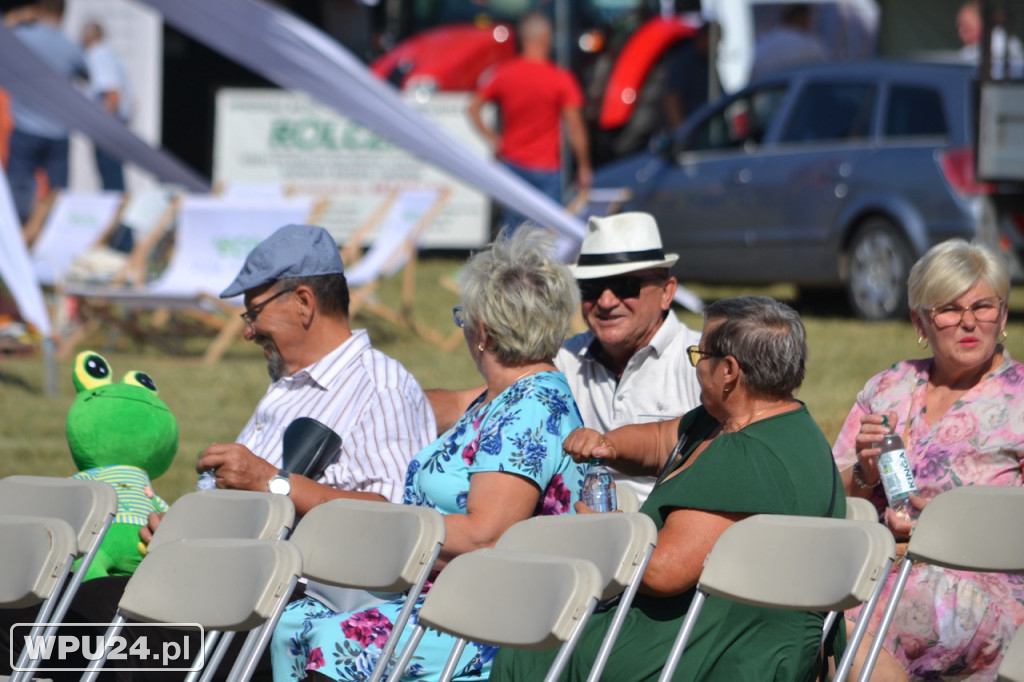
602	500
897	478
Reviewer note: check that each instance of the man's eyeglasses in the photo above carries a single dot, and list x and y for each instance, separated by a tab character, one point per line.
951	314
696	354
624	286
250	314
460	321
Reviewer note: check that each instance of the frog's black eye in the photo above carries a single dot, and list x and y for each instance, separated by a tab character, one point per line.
140	379
90	371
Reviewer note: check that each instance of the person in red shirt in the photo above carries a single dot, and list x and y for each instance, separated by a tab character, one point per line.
534	96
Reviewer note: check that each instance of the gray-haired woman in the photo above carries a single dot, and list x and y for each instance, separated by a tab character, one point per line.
750	448
500	463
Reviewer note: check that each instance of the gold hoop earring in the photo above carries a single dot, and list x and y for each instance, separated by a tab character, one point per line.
1002	336
922	342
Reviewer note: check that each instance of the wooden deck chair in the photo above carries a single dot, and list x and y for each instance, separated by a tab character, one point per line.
213	238
399	221
33	569
793	562
223	585
619	545
373	546
956	530
73	224
1011	668
87	506
508	598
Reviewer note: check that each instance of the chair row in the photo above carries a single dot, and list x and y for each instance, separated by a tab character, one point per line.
783	562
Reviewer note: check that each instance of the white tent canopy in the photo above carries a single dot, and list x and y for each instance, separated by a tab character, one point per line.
297	56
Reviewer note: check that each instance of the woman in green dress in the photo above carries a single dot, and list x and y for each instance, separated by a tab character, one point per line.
750	448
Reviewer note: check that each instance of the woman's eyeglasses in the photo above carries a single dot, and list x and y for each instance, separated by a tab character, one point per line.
624	286
696	354
460	321
951	314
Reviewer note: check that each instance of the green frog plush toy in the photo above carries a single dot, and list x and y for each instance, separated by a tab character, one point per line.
121	433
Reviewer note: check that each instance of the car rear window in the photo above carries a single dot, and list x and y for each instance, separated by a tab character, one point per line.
915	111
829	112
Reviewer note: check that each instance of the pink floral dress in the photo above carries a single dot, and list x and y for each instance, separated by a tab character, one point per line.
949	622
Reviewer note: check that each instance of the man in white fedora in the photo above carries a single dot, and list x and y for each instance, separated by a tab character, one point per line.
631	366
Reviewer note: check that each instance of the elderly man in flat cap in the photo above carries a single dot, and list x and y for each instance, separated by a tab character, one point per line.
631	366
296	308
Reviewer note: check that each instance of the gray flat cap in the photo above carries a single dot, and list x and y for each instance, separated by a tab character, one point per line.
292	251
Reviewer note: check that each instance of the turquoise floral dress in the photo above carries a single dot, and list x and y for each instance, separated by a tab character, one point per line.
520	432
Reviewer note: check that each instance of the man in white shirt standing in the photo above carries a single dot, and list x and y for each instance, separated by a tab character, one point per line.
109	86
631	367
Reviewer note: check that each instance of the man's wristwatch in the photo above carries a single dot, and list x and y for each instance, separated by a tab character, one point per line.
280	484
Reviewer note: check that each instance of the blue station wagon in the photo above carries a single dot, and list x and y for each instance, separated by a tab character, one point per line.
830	176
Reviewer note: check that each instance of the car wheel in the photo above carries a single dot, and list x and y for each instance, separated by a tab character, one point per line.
880	261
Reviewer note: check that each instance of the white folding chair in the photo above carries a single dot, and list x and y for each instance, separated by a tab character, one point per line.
793	562
956	530
34	567
372	546
1011	668
223	585
626	499
220	513
87	506
506	598
620	545
859	509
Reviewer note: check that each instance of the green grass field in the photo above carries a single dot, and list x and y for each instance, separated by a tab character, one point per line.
213	402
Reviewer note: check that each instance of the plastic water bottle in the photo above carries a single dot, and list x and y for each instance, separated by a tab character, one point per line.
207	480
897	477
599	487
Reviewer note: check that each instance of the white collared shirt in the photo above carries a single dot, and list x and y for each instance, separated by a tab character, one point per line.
658	383
368	398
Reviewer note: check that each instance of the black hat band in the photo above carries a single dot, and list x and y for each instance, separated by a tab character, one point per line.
615	258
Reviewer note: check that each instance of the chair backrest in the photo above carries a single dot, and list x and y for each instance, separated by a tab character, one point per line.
798	562
222	584
617	544
73	225
506	598
626	498
213	514
88	506
214	235
959	529
396	544
38	552
1011	668
860	509
792	562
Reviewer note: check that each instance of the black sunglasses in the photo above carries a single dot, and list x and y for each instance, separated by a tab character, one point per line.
623	286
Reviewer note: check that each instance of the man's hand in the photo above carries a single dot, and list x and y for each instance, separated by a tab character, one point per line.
236	467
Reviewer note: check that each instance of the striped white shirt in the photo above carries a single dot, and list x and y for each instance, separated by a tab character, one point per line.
368	398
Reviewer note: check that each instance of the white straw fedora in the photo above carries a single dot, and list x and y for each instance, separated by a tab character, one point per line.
621	243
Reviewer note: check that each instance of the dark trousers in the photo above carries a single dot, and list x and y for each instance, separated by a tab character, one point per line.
28	153
111	171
